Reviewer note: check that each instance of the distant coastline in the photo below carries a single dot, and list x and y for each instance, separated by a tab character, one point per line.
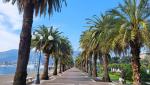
10	69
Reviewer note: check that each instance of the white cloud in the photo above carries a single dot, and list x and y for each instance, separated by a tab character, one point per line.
9	14
8	40
10	21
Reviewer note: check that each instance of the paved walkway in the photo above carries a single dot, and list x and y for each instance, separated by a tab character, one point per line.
72	76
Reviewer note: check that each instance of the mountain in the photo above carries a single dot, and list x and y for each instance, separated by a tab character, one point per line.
75	54
12	56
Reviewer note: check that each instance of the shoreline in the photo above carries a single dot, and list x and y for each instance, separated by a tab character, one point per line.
7	79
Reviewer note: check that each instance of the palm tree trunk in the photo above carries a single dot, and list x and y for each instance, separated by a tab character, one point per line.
24	46
60	66
135	62
63	67
45	72
81	66
106	77
90	66
87	65
100	59
84	65
56	64
94	74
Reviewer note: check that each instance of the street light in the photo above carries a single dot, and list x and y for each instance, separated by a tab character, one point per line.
50	37
37	79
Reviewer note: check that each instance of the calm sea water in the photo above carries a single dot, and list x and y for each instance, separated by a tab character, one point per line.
4	70
8	70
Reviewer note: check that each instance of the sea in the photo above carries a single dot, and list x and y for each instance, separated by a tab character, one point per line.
11	69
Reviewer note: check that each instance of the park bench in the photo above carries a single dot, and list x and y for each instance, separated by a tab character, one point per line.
29	79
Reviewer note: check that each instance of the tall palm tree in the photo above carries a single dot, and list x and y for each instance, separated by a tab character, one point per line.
47	44
67	62
100	27
56	54
94	71
56	58
86	54
78	61
65	51
85	59
89	51
28	7
132	31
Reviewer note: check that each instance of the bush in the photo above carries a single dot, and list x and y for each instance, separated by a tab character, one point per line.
126	67
128	71
114	76
144	75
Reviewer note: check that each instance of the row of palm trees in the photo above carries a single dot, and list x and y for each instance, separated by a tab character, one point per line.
29	8
55	45
124	28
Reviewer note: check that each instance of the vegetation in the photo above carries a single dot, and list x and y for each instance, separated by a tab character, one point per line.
120	30
89	53
146	61
65	52
47	46
123	29
28	8
132	31
54	45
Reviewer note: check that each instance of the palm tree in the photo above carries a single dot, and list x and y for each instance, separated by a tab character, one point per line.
78	62
55	65
100	27
86	54
62	53
28	7
67	63
47	44
84	60
65	51
94	72
88	51
132	31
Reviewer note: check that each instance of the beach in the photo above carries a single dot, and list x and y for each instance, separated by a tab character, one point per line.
8	79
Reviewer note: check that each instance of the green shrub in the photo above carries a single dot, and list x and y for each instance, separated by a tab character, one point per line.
126	67
128	72
144	75
114	76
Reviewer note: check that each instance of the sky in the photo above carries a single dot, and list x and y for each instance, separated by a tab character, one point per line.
71	20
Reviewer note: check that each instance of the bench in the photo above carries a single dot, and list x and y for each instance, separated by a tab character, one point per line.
29	79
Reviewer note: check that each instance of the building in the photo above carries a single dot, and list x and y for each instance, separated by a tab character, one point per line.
144	54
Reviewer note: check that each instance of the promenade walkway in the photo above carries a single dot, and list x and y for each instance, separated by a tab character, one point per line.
72	76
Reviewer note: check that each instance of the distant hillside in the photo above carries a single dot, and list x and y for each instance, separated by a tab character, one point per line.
75	54
12	56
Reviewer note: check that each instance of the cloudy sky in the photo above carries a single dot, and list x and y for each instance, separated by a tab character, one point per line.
71	20
10	23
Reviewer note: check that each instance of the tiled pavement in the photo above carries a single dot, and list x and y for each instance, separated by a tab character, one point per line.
72	76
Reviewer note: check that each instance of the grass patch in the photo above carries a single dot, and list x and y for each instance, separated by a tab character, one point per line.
114	76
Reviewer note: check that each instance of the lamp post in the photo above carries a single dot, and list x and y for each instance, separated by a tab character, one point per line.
37	79
50	38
